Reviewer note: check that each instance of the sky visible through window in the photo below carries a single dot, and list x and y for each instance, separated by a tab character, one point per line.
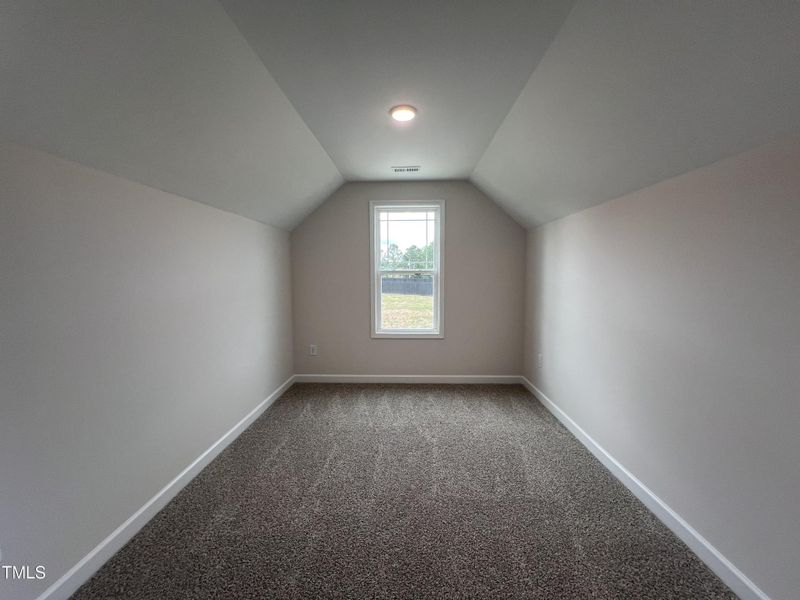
407	239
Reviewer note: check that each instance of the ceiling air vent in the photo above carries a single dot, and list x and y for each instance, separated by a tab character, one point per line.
406	169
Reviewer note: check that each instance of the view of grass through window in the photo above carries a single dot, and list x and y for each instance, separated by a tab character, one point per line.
407	303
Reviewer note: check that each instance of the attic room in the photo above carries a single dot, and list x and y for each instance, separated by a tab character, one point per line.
445	299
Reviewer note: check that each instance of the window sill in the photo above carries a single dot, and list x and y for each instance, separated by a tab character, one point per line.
407	336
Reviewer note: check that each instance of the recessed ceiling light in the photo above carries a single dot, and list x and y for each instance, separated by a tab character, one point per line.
404	112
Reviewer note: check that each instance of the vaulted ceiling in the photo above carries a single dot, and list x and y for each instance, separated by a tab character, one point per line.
633	92
163	92
263	107
345	63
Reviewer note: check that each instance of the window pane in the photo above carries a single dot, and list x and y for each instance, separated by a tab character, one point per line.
407	239
406	215
406	301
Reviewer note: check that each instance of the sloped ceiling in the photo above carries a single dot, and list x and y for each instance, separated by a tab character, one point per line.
615	94
345	63
633	92
166	93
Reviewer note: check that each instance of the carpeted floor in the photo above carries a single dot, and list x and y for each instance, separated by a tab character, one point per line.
399	491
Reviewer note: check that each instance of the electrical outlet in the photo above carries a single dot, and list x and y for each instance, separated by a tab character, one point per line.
539	360
313	350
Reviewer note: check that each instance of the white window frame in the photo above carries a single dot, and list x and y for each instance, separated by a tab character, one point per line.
438	274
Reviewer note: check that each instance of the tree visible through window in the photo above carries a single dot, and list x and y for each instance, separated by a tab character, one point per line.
406	242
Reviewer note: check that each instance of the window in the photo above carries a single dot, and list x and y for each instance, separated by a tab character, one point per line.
407	269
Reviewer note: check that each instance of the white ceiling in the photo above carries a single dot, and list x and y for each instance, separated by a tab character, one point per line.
633	92
344	63
164	93
615	94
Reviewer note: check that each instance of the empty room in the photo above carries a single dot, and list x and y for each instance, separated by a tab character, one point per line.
355	299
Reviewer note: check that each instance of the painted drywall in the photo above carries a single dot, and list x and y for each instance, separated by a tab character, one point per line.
345	64
632	92
168	94
137	328
484	256
668	322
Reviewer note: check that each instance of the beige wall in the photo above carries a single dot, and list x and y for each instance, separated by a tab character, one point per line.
669	326
484	257
136	328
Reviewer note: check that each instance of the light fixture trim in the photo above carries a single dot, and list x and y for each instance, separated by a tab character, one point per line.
403	112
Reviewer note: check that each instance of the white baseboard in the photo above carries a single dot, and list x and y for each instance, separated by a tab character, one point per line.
67	584
737	581
330	378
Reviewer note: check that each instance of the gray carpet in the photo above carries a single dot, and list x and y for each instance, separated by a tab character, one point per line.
399	491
